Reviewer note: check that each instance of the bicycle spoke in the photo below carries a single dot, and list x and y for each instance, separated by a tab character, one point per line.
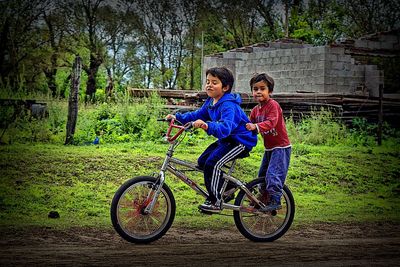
263	226
132	205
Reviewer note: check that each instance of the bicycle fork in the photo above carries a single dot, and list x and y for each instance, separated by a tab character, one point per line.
156	188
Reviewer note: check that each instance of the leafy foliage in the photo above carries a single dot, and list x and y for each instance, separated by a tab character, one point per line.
318	129
131	120
321	128
152	44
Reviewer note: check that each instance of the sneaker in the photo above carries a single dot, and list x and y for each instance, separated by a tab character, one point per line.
209	206
272	205
263	197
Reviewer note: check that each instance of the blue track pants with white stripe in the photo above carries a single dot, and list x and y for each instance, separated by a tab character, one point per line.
211	161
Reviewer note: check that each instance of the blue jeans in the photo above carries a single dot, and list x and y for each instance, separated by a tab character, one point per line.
274	167
211	161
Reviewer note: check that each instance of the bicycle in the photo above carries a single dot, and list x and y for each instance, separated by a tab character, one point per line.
143	208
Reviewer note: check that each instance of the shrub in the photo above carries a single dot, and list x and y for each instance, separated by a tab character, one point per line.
129	120
321	128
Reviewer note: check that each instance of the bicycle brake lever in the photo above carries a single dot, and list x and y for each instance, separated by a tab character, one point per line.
188	126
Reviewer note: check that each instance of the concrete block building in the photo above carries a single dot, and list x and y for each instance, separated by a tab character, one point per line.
300	67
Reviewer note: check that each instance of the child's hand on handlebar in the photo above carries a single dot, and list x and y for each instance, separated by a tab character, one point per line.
200	124
170	117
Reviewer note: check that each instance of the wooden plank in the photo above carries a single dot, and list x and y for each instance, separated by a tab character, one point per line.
345	106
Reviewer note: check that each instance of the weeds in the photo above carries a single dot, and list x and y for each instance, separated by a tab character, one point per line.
129	120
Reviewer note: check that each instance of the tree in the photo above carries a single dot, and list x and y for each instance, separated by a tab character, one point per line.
322	22
88	21
121	38
54	36
19	42
156	43
163	31
370	16
318	22
266	8
94	43
192	15
239	20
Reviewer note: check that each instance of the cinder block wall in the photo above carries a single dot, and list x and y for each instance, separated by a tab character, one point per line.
299	68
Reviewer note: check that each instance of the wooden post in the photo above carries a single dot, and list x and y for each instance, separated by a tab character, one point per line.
287	19
73	100
380	116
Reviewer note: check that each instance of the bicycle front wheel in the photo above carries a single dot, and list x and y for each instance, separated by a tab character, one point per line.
128	214
263	226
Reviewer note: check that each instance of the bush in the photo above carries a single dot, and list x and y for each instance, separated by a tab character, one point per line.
125	121
318	129
129	120
365	134
321	128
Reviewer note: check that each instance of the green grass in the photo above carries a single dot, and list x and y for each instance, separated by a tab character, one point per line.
330	184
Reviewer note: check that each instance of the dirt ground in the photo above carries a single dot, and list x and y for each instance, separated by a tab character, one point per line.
372	244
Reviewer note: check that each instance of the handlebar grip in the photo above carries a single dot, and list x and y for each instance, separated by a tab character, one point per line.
163	119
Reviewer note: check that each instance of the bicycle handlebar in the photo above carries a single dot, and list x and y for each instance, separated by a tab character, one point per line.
172	125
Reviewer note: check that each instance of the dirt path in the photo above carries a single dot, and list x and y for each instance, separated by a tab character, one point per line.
316	245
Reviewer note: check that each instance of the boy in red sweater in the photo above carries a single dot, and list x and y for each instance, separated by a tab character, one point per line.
267	119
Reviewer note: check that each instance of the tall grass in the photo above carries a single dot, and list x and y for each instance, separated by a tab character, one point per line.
129	120
124	121
322	128
318	129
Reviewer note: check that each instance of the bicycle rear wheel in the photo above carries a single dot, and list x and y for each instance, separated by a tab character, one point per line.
128	205
266	226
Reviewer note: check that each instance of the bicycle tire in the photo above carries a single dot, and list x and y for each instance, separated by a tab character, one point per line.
127	207
268	226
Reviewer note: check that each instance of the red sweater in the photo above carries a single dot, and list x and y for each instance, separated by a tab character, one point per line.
270	123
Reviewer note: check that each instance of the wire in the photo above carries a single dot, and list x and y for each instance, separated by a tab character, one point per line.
180	139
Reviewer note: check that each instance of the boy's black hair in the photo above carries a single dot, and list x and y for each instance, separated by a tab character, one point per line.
258	77
224	74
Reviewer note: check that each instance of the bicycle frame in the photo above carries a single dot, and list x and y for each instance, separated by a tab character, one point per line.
168	166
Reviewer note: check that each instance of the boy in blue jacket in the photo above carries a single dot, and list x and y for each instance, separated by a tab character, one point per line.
222	117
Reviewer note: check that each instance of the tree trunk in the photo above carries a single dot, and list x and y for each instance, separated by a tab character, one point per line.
90	87
95	62
3	48
51	76
110	86
287	19
73	100
192	61
51	83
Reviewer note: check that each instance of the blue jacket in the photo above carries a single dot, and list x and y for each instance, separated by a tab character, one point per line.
225	119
